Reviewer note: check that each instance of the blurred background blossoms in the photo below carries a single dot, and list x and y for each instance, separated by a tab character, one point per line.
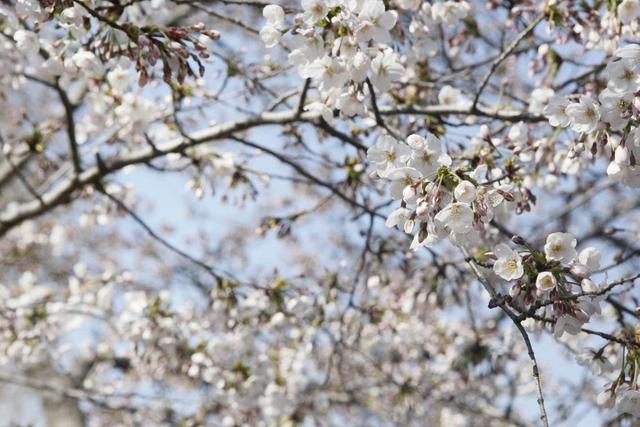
319	213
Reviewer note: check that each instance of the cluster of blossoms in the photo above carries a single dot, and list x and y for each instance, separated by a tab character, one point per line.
265	353
341	44
549	277
92	42
426	18
348	344
446	198
443	201
628	11
609	125
623	394
437	199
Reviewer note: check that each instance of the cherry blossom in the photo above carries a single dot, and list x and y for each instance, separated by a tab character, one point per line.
628	11
584	115
375	22
560	247
306	212
457	217
545	281
509	263
556	111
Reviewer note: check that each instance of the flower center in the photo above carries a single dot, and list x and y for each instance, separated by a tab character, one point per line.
628	74
590	113
328	70
622	104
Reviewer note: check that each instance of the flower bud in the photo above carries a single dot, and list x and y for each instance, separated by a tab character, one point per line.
518	240
409	194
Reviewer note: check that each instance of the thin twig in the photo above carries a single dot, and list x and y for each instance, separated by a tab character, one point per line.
303	96
376	111
505	53
164	242
500	302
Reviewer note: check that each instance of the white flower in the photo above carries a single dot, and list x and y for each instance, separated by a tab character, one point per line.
386	68
26	41
606	399
628	10
631	51
134	113
453	97
410	193
465	192
350	104
509	263
531	325
427	156
314	10
135	302
584	115
615	170
490	202
556	111
71	19
388	154
616	108
620	168
590	258
274	15
87	62
628	400
400	217
120	79
304	51
329	71
401	178
591	305
450	12
560	247
435	233
539	99
595	361
345	46
519	133
633	142
545	281
569	324
623	76
376	22
270	36
359	67
458	217
416	142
